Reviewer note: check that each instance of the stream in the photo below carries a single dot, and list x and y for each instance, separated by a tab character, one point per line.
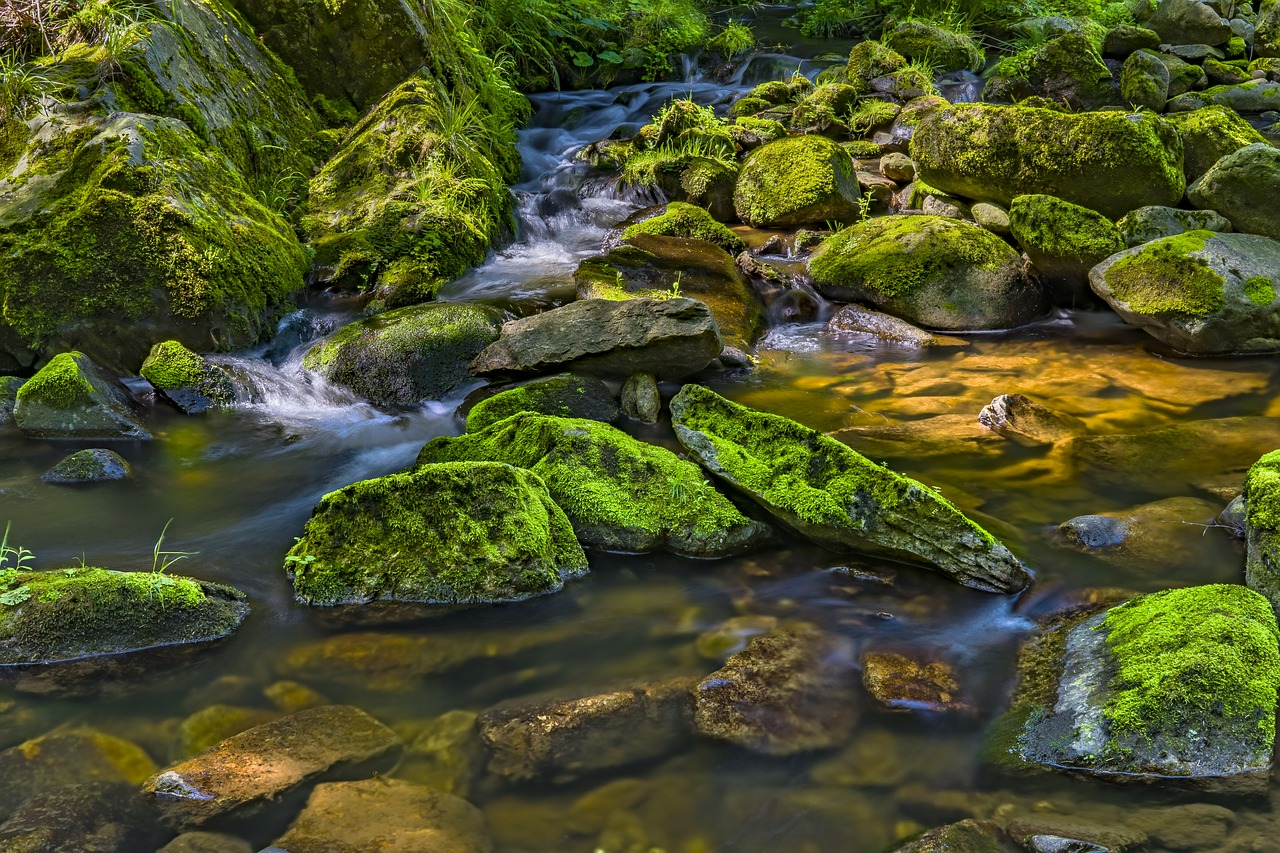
240	483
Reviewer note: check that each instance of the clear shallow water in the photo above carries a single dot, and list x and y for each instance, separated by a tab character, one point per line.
240	484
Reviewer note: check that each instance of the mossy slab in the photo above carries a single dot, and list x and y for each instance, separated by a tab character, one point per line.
681	219
564	395
1176	686
71	397
1256	96
407	356
1111	162
833	495
1244	186
929	270
462	533
620	494
1201	292
799	180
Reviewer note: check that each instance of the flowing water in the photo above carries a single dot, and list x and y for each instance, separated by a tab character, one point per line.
240	483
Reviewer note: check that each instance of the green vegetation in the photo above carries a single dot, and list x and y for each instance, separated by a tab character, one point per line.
1260	290
170	365
798	180
687	220
1262	491
993	18
60	384
563	395
1166	276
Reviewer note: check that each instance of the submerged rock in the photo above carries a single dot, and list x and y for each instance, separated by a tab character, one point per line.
788	691
620	494
794	181
71	397
452	534
995	153
835	496
445	754
564	395
859	322
1159	535
385	814
248	771
1176	686
94	465
929	270
967	836
670	338
94	817
404	357
562	739
187	379
1025	421
207	842
212	725
49	763
1202	292
901	683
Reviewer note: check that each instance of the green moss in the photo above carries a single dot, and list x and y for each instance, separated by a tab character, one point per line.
944	49
687	220
861	149
1046	224
871	59
60	384
1187	656
1209	134
618	492
1165	276
747	107
871	114
171	365
1262	492
895	255
795	181
459	533
1260	290
772	92
565	395
77	612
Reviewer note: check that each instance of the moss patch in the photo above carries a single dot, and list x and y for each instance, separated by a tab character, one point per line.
1050	226
1164	276
60	384
687	220
1260	290
796	181
171	365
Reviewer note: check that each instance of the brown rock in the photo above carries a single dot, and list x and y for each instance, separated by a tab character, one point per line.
900	683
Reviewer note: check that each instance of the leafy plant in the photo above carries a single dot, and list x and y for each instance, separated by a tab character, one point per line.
162	559
19	555
864	207
735	39
22	86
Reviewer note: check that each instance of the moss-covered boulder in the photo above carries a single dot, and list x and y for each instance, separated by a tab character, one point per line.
1209	134
186	379
620	494
1262	527
824	110
800	180
1066	69
454	534
1110	162
410	200
680	219
1256	96
1144	81
1154	222
1177	686
1200	292
833	495
71	397
93	465
1124	39
565	395
1063	241
1244	186
1183	77
929	270
947	50
671	338
404	357
870	60
658	267
1266	35
73	613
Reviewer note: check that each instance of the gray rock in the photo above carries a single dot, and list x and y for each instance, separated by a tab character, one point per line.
71	397
671	338
834	495
1193	52
967	836
1124	39
1027	422
1154	536
404	357
250	770
386	815
564	395
94	817
95	465
1233	517
897	167
207	842
1256	96
640	398
9	386
1154	222
788	691
1189	22
1244	186
854	321
1183	76
1144	81
560	740
992	217
1201	292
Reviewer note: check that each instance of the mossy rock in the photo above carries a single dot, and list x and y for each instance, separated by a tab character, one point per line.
748	106
946	49
1155	222
1256	96
404	357
1066	69
187	379
1262	527
73	613
833	495
93	465
869	60
1209	134
658	267
681	219
71	397
1172	687
1200	292
800	180
823	110
750	132
120	230
212	725
67	757
1063	241
462	533
966	836
1244	186
1125	39
1183	78
932	271
1144	81
564	395
1111	162
9	386
870	115
405	205
620	494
